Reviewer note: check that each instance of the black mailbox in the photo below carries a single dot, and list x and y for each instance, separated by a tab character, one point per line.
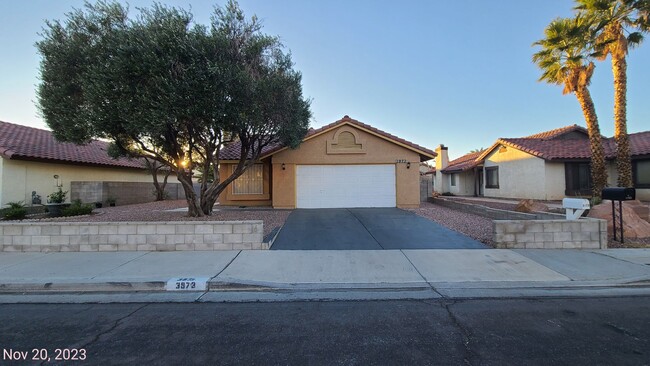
619	194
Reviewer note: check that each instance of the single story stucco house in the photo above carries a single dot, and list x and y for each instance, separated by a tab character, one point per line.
549	165
33	163
343	164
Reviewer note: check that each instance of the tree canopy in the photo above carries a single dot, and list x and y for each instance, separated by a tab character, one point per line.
160	86
566	59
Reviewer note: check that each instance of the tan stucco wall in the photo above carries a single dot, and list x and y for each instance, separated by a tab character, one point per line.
227	198
612	177
521	175
20	178
464	183
284	186
555	181
377	151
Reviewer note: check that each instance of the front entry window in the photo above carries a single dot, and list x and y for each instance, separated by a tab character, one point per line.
641	170
251	182
578	179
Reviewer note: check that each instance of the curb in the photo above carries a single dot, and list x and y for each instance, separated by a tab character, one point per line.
466	290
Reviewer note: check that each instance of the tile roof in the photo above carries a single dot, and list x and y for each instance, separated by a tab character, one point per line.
549	135
28	143
547	146
465	162
232	151
639	143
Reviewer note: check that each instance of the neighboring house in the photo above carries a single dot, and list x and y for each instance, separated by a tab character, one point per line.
31	160
343	164
546	166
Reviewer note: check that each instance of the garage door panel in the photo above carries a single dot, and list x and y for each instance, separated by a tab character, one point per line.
337	186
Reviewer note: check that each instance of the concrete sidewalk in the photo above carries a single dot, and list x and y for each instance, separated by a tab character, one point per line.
313	275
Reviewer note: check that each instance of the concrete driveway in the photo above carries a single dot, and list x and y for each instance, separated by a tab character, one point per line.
366	228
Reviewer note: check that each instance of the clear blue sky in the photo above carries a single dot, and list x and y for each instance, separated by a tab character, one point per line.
452	72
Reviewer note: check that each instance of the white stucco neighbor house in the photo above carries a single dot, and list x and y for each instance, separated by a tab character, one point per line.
549	165
33	163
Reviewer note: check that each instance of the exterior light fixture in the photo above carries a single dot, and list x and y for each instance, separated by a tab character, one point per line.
408	165
284	166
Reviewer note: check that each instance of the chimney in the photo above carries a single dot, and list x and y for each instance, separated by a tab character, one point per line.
442	161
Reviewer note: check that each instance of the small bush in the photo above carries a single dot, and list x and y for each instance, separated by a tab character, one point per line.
58	196
77	208
448	194
16	211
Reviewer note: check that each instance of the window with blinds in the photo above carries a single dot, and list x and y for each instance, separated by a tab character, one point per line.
251	182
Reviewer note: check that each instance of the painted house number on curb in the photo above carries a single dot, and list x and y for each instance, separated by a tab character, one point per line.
187	284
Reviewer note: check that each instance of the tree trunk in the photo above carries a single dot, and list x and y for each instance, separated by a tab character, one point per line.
193	205
208	200
623	163
160	188
598	171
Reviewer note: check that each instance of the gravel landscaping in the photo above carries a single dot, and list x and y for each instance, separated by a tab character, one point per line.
474	226
159	211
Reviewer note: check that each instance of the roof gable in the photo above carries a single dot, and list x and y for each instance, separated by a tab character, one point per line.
232	151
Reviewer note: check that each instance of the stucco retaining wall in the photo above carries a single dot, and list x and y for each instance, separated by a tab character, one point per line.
586	233
131	236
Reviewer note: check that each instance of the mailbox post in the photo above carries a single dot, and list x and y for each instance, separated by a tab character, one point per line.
575	207
619	194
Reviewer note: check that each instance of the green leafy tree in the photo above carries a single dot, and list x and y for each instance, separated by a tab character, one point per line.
619	25
565	59
162	87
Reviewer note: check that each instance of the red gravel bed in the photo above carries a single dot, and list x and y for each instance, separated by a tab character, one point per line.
156	211
498	205
474	226
629	243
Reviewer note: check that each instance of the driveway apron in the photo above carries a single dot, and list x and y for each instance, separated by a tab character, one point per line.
366	229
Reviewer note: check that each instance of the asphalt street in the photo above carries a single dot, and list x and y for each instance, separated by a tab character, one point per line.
366	229
609	331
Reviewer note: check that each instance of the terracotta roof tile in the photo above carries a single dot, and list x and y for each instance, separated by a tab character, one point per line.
549	135
577	149
28	143
465	162
545	145
640	143
232	151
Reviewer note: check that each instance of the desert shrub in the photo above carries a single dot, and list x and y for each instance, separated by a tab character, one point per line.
16	211
77	208
449	194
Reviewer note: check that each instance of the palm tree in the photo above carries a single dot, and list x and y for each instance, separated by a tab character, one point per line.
614	19
565	59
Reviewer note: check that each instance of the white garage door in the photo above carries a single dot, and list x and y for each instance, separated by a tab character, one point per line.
337	186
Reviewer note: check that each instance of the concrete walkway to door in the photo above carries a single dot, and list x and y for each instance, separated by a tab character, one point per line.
366	229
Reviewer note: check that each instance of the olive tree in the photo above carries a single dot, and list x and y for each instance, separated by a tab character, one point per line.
161	87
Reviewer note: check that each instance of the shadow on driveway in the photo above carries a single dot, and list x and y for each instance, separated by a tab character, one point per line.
366	228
